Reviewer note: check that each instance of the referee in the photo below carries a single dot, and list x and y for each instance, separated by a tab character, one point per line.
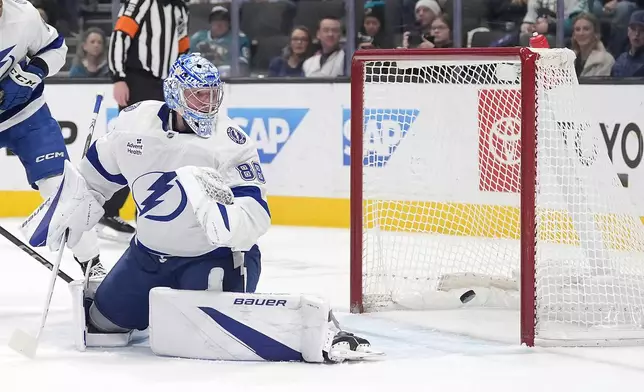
149	35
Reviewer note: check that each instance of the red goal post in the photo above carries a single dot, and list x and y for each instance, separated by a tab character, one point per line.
387	226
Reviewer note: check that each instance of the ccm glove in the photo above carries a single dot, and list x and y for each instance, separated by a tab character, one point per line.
18	86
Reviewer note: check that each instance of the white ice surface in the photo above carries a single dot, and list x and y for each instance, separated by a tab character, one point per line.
426	351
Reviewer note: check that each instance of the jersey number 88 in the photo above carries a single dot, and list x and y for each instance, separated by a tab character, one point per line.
251	171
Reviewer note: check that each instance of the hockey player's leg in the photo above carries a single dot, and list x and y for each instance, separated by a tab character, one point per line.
122	297
39	143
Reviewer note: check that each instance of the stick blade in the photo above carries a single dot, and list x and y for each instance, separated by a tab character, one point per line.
23	343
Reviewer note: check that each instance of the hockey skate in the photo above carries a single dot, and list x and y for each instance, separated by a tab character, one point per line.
97	271
349	347
114	228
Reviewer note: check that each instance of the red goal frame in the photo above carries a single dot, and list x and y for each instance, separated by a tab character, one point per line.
528	162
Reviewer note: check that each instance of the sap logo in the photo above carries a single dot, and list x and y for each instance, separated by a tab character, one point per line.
159	196
260	302
51	155
269	128
110	115
384	130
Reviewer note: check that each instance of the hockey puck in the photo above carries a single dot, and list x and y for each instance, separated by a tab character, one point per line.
467	296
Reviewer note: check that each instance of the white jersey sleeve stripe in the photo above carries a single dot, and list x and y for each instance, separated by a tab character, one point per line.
92	157
252	192
55	44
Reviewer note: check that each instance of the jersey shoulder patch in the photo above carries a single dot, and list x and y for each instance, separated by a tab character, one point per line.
132	107
236	135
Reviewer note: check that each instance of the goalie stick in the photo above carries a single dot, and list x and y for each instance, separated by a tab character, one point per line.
21	341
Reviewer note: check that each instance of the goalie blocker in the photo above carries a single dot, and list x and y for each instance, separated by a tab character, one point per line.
228	326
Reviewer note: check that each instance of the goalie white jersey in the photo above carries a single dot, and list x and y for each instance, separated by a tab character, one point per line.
24	35
142	151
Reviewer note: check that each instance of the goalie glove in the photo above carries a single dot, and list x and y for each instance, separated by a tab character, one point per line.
73	207
208	196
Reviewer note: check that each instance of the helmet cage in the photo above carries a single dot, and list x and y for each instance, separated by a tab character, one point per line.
183	90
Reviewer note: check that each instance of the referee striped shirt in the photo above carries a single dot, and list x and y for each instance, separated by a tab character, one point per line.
148	35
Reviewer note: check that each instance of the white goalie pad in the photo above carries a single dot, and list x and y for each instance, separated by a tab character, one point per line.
83	338
237	326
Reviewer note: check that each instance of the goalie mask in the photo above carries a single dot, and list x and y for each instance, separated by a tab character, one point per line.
194	90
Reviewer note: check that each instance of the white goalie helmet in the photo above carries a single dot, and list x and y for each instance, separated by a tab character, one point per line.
194	89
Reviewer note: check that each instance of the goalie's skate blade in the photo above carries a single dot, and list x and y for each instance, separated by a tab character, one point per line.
23	343
349	355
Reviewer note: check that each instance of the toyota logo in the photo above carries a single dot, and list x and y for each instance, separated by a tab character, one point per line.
503	140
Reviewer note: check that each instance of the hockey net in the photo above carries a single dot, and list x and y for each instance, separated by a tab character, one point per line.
478	181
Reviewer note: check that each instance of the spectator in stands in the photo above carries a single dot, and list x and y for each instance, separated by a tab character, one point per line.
616	14
329	61
419	36
293	57
372	33
541	17
592	57
215	44
631	62
441	32
408	11
506	15
618	10
91	56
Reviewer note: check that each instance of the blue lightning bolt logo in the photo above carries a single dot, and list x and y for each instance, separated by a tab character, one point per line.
159	188
4	54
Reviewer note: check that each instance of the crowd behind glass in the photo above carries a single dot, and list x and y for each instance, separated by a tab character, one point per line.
314	38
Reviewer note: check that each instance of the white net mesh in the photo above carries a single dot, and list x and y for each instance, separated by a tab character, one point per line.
441	203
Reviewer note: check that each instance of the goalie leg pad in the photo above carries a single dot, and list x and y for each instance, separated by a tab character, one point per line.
237	326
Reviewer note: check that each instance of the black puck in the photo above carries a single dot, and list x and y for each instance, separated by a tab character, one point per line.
467	296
